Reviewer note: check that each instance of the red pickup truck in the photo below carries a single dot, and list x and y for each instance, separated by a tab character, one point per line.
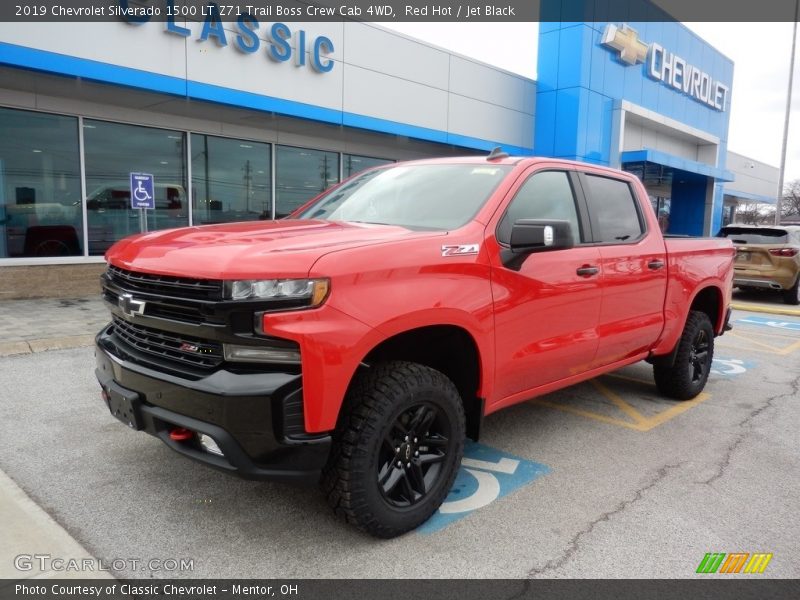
366	336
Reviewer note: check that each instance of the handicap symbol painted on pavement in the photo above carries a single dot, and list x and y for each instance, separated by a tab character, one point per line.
730	367
767	322
486	474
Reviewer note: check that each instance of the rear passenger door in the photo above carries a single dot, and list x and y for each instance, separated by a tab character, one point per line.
634	265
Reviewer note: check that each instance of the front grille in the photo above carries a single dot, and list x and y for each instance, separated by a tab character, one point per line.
176	310
165	285
181	350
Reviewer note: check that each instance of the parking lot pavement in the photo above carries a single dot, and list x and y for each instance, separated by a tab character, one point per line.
604	479
26	525
28	326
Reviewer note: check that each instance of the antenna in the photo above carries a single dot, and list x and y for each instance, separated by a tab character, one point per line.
497	153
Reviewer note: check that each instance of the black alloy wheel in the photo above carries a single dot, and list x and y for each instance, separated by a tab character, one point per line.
396	448
698	355
685	377
413	454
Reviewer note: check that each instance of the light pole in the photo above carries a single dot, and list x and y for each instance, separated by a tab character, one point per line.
779	200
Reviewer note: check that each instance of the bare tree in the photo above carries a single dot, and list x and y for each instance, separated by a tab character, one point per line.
753	214
790	205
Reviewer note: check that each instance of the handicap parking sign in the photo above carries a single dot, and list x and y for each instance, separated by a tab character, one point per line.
486	474
142	195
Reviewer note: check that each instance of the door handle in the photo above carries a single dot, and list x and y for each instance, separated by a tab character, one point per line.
587	271
655	264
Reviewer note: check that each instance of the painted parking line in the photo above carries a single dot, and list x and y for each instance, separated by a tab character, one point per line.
629	417
632	418
486	474
772	309
766	340
788	325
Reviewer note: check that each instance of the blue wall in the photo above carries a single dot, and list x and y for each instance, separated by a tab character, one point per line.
687	210
580	81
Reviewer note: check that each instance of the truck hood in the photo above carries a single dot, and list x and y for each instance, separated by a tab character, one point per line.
253	250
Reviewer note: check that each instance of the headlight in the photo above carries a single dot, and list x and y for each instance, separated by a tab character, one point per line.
314	291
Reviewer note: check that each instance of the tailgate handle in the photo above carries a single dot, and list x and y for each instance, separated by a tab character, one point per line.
587	271
655	264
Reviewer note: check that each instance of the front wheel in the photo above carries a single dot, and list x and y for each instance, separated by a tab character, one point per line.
396	449
687	376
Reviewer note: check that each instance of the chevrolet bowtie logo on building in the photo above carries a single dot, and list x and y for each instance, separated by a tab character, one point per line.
626	40
738	562
130	306
666	67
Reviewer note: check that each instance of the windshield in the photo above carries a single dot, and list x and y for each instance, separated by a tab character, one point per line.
437	197
755	235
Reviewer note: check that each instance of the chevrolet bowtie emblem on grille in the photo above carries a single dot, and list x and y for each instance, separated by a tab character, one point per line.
130	306
626	41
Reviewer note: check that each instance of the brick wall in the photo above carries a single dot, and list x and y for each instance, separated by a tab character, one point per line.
50	281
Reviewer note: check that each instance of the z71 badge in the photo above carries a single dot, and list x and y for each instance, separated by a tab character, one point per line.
460	250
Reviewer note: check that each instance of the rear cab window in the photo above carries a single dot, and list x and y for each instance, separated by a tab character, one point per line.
613	209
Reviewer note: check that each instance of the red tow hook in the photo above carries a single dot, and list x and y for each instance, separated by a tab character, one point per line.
181	434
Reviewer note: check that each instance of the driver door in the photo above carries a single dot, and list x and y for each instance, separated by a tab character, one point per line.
546	309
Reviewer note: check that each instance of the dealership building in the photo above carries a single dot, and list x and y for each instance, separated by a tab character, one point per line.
247	120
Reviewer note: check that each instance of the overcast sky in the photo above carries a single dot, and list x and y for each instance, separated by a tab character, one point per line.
761	71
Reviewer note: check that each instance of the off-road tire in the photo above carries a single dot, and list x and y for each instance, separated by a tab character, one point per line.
682	380
374	406
792	295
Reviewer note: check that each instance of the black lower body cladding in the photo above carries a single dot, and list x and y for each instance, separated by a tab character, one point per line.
253	417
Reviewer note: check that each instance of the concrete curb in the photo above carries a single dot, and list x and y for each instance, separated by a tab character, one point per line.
42	345
29	530
760	308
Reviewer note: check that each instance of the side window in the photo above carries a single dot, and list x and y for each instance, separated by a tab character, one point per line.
615	217
545	195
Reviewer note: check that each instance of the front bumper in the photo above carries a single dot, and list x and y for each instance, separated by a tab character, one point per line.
255	418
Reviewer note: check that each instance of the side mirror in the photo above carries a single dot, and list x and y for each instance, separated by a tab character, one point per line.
534	235
531	235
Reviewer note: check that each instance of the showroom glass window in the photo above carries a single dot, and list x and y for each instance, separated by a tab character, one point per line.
230	180
353	163
112	152
40	189
300	175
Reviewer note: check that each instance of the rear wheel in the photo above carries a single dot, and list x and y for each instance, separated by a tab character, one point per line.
687	376
396	449
792	295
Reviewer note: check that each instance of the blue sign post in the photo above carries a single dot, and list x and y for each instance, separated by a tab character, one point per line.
142	191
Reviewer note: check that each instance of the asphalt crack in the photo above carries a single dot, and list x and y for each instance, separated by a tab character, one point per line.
746	428
574	544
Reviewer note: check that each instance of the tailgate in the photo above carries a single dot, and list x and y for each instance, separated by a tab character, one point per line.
755	257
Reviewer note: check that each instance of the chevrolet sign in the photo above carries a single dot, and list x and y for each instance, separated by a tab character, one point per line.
666	67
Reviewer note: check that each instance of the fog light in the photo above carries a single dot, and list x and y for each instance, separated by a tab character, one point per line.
266	354
209	445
